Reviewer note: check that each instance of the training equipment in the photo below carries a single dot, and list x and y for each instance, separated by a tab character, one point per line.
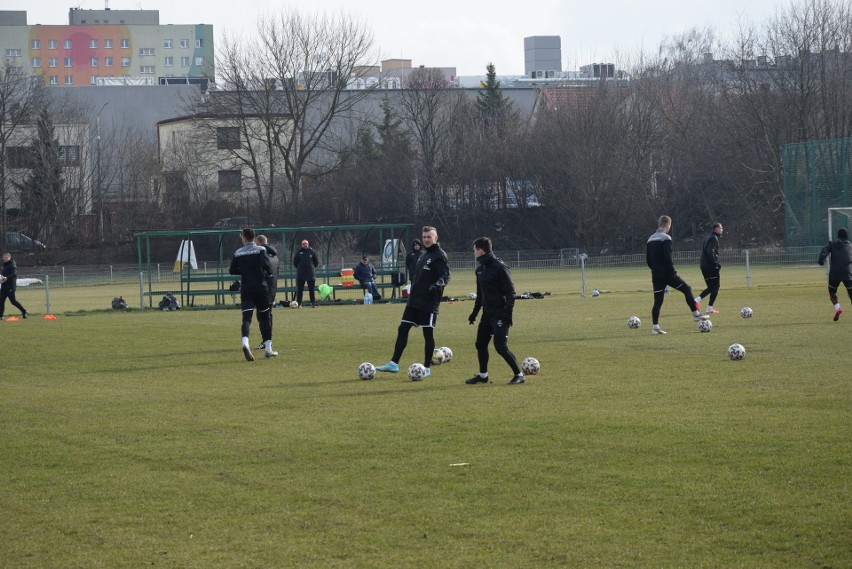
705	325
294	304
530	366
448	353
746	312
438	357
736	351
416	372
366	371
471	295
634	322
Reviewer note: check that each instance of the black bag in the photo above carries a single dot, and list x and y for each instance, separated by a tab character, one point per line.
398	278
119	303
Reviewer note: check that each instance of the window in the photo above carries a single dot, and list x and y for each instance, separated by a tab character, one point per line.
13	53
93	44
20	157
36	62
54	80
146	51
66	44
52	62
167	44
93	80
229	180
170	61
108	44
228	137
125	62
36	44
69	79
199	61
69	155
125	43
108	61
51	44
93	62
184	43
184	61
67	62
147	69
199	42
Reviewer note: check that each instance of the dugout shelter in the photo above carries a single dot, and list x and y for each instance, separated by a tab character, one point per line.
206	282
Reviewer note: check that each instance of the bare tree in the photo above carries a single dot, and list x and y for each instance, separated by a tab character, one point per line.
21	98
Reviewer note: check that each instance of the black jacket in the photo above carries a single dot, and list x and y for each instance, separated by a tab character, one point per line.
364	273
710	252
658	255
305	260
10	271
411	258
840	267
431	275
272	280
252	264
495	291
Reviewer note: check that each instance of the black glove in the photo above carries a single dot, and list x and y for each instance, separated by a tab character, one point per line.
472	317
821	263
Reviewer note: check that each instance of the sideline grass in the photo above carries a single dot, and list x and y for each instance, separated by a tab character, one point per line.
144	438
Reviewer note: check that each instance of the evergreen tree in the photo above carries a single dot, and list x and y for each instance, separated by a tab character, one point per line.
492	104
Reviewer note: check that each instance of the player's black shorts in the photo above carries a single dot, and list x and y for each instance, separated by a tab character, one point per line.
710	273
421	318
251	299
661	282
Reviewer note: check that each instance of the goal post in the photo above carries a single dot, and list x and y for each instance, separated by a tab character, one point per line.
838	217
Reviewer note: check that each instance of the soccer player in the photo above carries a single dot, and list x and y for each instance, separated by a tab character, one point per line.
431	275
663	274
252	264
840	268
271	280
710	268
10	284
495	295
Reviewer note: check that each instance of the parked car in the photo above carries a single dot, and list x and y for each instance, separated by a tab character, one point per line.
19	242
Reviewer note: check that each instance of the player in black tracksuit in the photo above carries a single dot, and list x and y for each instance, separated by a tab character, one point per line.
840	268
431	275
663	274
710	267
495	295
252	264
10	284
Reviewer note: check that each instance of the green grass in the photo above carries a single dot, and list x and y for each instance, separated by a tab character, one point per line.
144	439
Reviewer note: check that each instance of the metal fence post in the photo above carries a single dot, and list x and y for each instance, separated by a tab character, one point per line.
581	257
47	292
748	269
141	289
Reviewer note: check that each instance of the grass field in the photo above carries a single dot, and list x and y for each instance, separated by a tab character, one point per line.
144	438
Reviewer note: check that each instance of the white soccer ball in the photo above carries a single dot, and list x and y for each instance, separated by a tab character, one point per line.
530	366
736	351
438	357
705	325
471	295
294	304
746	312
448	353
634	322
416	372
366	371
596	292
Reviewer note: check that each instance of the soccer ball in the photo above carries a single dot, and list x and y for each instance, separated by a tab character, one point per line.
471	295
530	366
448	353
736	351
366	371
596	292
634	322
438	357
416	372
294	304
705	325
746	312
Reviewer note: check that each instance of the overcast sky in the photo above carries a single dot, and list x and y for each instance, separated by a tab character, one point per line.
466	34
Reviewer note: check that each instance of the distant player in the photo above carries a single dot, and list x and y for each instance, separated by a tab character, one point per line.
495	295
431	275
840	268
252	264
10	284
710	268
663	274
